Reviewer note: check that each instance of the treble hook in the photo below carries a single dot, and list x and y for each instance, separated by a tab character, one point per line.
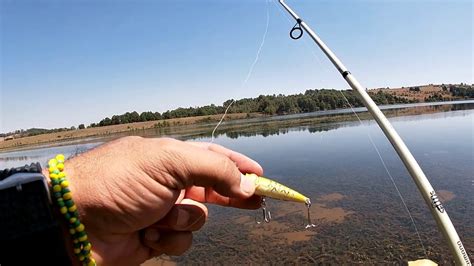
266	213
310	224
296	28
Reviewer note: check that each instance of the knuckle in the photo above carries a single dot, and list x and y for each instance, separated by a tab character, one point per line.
129	140
227	165
167	143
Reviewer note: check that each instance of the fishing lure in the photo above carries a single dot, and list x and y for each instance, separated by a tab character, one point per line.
265	187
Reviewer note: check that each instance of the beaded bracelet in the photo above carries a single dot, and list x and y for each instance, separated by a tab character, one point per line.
63	196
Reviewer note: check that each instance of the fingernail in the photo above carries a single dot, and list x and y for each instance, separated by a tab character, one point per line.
183	217
152	234
247	184
255	162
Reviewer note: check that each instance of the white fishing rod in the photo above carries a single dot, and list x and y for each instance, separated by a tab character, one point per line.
424	186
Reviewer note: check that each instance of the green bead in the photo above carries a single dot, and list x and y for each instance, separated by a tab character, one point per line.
86	245
86	261
69	203
61	203
56	171
76	223
54	181
77	245
85	252
65	190
57	195
67	216
61	179
75	214
80	234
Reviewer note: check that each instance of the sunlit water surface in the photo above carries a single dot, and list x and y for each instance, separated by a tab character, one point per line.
359	214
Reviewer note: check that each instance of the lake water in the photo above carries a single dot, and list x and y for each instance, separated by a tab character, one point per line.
359	215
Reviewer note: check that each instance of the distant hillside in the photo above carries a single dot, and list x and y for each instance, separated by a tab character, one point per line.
431	93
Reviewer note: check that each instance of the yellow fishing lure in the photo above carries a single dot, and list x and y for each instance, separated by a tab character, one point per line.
268	188
265	187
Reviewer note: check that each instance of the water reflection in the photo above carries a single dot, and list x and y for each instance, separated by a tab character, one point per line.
18	158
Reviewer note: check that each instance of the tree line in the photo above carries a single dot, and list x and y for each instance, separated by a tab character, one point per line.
309	101
461	90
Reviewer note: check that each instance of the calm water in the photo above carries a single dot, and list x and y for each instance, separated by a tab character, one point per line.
360	216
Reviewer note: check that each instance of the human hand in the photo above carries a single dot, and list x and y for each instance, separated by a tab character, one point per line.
140	198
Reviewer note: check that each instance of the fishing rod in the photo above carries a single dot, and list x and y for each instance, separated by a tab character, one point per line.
429	195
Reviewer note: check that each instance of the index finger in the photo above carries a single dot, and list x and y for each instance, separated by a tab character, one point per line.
244	163
178	165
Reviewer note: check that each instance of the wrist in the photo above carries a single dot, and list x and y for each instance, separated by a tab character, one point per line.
66	212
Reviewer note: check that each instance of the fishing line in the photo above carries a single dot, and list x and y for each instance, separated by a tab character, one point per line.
370	139
250	71
389	174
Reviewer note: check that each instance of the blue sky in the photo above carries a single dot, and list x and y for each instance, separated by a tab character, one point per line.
69	62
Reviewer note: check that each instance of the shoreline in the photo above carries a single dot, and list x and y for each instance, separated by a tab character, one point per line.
195	126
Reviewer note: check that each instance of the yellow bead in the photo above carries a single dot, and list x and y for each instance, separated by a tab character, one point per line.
52	162
65	184
60	158
52	169
62	175
72	231
88	246
75	241
73	220
63	210
67	196
72	208
82	238
91	262
56	188
80	228
81	257
60	166
53	176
